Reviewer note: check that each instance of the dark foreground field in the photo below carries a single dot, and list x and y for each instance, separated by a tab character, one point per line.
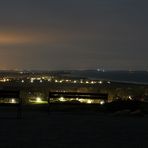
81	129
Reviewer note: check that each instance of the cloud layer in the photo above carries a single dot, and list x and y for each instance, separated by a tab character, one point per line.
55	34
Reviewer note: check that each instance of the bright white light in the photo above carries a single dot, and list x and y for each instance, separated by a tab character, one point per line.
89	101
130	97
100	82
108	82
102	102
77	99
38	99
13	101
22	81
56	81
75	81
41	81
61	99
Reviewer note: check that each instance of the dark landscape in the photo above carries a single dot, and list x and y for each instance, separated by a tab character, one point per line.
72	129
121	122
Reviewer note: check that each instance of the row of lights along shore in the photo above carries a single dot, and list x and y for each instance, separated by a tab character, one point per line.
32	80
43	79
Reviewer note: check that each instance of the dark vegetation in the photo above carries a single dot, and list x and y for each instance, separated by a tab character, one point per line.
118	107
124	105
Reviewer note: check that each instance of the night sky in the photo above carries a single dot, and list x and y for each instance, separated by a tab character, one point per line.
73	34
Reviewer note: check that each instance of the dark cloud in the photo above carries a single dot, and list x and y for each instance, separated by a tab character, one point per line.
67	34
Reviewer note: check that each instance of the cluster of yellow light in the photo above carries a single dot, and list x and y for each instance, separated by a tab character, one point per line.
4	80
77	81
62	99
6	100
51	79
87	101
40	79
13	101
38	100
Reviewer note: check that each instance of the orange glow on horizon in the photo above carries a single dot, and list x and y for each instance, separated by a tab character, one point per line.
25	38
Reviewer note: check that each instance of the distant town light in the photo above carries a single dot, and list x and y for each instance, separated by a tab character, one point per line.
89	101
77	99
61	99
102	102
38	78
100	82
130	97
87	82
56	81
38	100
13	101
